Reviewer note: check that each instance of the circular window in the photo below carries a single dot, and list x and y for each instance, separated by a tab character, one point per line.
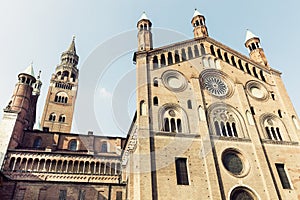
257	90
216	83
242	193
234	162
174	81
216	86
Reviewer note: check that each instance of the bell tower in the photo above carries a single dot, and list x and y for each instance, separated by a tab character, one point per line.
144	35
198	22
256	53
60	101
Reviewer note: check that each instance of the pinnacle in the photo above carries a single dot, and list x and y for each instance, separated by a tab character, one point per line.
144	16
249	35
197	13
29	70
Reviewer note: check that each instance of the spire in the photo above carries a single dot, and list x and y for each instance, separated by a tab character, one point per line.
72	45
29	70
249	35
144	16
197	13
37	85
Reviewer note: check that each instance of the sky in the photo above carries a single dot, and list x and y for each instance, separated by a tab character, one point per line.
39	31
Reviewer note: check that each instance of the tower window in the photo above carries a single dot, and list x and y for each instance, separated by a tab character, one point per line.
181	171
62	118
142	108
52	117
283	176
81	195
118	195
104	147
155	101
37	142
73	145
62	195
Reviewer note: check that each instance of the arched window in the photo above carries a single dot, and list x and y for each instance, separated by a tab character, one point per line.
52	117
279	113
212	50
226	57
155	82
262	76
233	61
155	101
183	55
177	59
219	54
163	60
226	121
73	145
173	119
62	118
61	97
190	53
241	65
202	49
155	62
65	74
37	142
189	104
247	68
273	95
104	147
274	127
142	108
254	72
196	51
170	58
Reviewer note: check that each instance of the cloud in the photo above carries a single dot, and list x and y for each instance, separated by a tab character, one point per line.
104	93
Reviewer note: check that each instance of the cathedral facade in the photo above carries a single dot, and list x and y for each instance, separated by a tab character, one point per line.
211	123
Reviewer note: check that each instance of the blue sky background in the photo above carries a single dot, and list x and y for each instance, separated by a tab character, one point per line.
40	31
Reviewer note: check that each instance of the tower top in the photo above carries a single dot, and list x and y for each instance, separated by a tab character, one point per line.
250	35
197	13
72	45
144	16
29	70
